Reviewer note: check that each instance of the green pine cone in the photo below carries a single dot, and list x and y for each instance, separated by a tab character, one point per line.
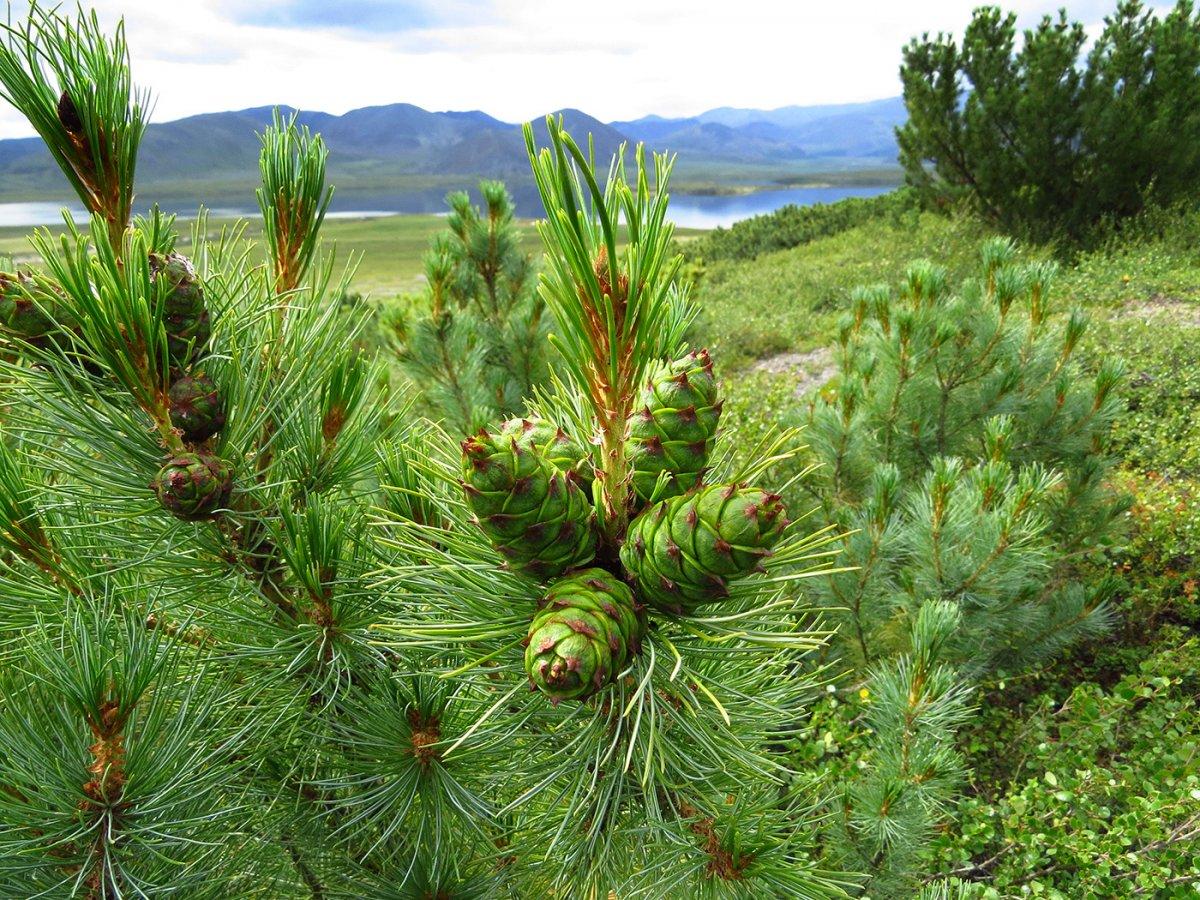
196	407
551	442
674	430
20	315
583	635
684	551
539	519
185	316
193	485
189	340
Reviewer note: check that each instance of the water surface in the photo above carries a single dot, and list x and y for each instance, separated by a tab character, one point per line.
701	211
687	210
26	215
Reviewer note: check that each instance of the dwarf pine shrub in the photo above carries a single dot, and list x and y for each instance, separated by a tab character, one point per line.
475	345
962	455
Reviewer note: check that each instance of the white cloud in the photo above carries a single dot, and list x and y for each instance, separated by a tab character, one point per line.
519	58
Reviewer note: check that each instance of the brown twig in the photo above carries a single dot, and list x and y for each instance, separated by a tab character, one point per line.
721	863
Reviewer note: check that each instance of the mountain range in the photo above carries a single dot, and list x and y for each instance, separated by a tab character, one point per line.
400	144
858	130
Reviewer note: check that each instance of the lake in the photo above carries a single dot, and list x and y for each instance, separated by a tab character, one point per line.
687	210
26	215
704	211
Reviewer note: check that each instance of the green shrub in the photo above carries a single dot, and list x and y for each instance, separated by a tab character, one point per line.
1097	793
959	455
476	343
791	226
1157	571
1046	139
1147	261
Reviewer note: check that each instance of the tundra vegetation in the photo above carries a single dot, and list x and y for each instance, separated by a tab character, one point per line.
832	554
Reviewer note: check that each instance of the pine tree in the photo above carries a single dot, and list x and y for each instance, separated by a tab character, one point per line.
477	344
1048	141
958	458
257	640
961	454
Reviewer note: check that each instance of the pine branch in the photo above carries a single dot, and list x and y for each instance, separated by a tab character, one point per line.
21	528
300	664
293	199
613	307
112	293
71	81
917	703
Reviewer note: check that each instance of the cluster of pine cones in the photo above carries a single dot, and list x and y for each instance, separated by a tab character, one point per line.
193	483
529	486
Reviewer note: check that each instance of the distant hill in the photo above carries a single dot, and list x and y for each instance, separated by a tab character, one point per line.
382	147
861	130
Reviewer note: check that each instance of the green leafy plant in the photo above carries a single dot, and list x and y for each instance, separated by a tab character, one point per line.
1090	790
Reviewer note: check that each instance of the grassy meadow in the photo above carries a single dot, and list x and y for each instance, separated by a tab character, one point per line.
388	249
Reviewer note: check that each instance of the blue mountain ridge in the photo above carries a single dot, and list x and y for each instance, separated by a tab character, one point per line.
378	143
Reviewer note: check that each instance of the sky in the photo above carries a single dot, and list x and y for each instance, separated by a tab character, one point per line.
518	59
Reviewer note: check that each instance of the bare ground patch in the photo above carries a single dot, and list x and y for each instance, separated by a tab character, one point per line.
1161	309
811	369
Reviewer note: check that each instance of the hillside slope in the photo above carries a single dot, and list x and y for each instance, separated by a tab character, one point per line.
1094	755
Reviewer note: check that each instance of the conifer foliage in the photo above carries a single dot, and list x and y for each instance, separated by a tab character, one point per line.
476	345
962	457
1047	136
52	76
183	603
651	733
268	633
959	453
889	811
